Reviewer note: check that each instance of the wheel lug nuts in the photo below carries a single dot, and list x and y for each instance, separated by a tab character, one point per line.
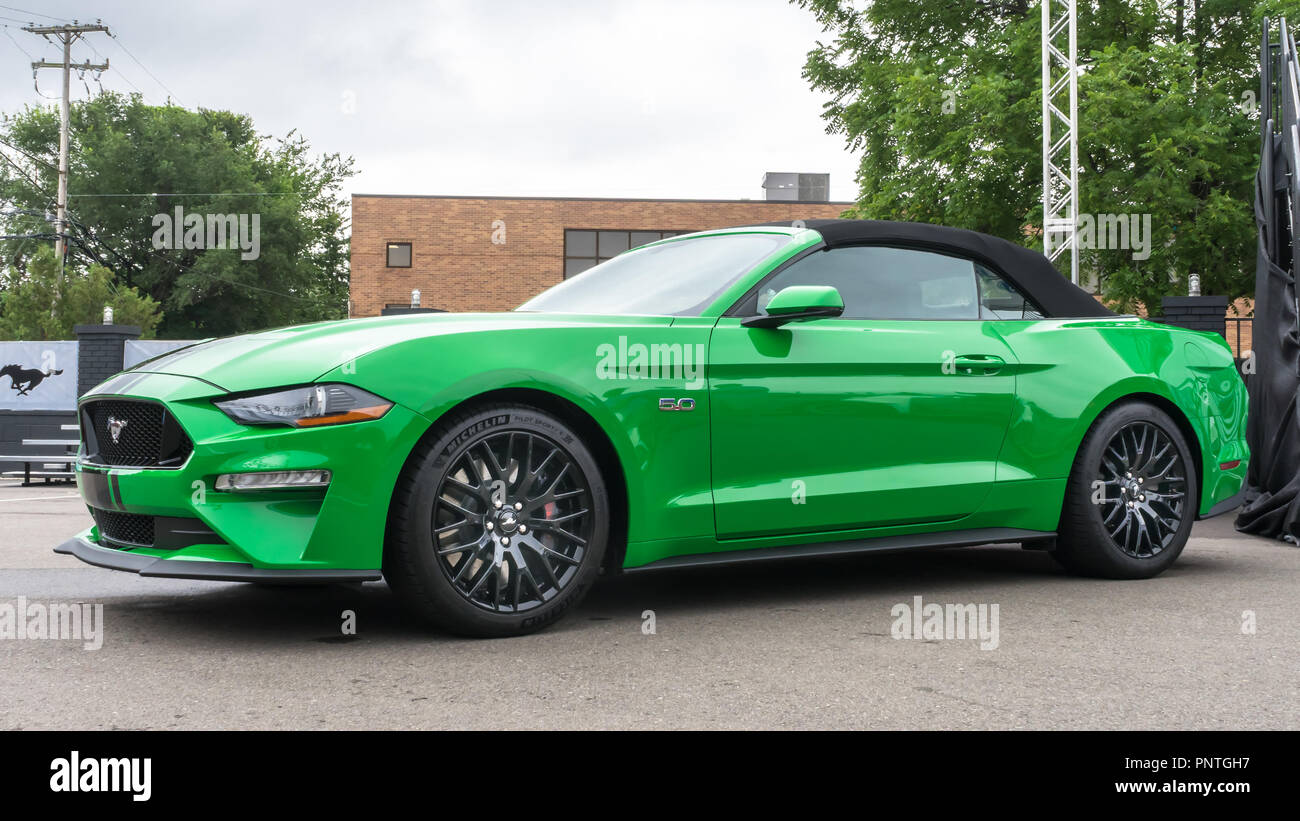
505	540
523	528
1142	498
519	505
1140	480
496	504
489	525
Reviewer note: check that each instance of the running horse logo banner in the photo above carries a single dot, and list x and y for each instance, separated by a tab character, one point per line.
38	376
24	380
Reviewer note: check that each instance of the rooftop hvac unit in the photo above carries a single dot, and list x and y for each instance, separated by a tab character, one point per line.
779	185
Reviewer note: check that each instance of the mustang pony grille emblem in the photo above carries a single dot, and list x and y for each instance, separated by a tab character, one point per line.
115	426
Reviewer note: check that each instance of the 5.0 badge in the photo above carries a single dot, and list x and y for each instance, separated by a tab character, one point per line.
686	404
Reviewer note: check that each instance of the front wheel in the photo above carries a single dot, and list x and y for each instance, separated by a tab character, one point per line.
499	523
1132	496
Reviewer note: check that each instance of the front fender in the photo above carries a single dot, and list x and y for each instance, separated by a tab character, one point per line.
664	456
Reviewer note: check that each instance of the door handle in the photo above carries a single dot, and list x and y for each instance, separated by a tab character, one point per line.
979	364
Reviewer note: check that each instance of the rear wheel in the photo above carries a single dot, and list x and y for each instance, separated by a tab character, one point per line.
498	524
1132	496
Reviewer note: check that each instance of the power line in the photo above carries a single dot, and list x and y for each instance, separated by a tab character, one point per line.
37	86
22	172
201	194
122	46
31	157
36	13
176	267
16	43
119	70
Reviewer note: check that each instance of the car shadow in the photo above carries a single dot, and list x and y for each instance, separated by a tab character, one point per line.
246	614
780	583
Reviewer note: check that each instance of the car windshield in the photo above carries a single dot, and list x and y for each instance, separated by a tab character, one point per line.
676	278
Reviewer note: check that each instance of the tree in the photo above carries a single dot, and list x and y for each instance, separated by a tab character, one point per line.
40	305
943	100
133	165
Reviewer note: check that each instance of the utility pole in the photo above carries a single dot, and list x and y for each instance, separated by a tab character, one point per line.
66	35
1061	148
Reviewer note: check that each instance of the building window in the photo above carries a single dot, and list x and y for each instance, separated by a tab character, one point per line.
585	249
399	255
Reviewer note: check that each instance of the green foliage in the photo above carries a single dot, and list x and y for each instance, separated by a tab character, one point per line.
208	163
37	306
1166	124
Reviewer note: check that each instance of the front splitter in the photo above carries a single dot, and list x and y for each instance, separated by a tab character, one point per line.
155	567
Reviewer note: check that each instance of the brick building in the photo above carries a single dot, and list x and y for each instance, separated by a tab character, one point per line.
493	253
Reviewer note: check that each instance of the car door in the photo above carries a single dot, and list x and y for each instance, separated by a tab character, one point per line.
891	414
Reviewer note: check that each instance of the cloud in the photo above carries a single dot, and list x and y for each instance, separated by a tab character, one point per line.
657	99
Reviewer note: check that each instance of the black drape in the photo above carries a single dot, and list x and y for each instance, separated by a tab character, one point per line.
1272	428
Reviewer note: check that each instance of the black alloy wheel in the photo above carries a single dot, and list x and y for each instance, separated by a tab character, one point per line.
1145	483
1131	498
512	521
499	522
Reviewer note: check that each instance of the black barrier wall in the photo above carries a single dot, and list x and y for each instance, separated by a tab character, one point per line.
100	352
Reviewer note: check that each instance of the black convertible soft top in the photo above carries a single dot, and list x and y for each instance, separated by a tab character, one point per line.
1028	270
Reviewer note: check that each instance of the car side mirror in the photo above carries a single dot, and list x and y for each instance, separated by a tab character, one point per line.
798	302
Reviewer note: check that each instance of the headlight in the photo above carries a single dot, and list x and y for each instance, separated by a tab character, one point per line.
306	407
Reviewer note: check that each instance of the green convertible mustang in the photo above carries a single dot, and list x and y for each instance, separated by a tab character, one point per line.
834	387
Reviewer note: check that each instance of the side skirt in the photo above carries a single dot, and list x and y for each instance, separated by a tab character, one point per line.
884	544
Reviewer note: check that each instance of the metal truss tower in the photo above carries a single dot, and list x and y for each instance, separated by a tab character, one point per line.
1061	132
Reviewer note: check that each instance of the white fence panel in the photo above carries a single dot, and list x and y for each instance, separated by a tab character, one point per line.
41	376
138	350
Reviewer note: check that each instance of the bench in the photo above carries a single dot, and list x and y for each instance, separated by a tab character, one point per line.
44	461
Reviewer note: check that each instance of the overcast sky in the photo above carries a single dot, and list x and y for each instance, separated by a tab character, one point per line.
670	98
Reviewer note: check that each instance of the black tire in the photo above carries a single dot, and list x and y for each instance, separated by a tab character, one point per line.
522	523
1131	498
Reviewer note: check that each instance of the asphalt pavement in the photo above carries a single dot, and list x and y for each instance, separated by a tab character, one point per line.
1214	643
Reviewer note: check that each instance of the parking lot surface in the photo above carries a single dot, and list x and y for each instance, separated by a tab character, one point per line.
1214	643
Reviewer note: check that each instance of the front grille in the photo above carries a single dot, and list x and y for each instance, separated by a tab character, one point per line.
147	434
125	528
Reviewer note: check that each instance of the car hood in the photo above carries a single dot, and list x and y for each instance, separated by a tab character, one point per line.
303	353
